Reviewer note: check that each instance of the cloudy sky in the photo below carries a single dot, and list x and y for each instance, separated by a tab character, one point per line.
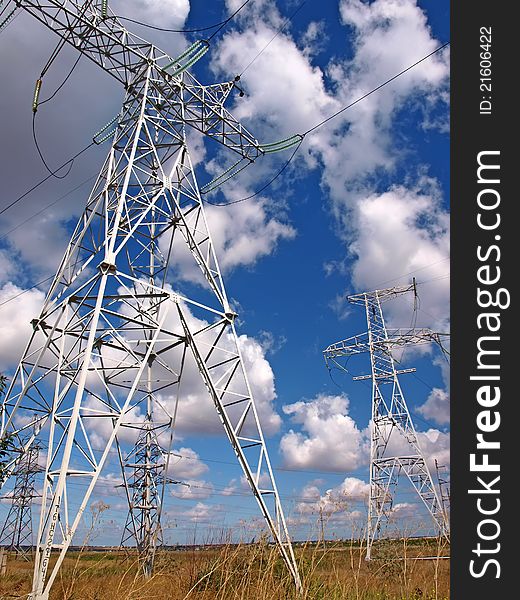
363	205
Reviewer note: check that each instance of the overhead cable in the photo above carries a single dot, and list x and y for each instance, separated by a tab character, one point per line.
326	120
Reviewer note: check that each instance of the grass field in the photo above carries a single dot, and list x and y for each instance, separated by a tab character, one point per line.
336	571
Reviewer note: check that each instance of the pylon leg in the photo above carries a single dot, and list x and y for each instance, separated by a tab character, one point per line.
108	349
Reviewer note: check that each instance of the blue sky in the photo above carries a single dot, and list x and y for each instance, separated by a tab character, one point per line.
363	205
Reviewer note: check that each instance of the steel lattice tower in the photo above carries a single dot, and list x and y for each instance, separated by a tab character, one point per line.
145	489
392	426
17	531
110	348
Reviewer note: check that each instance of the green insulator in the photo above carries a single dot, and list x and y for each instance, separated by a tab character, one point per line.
192	55
104	7
99	141
281	144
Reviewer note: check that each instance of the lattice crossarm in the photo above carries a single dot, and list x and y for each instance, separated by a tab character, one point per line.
126	57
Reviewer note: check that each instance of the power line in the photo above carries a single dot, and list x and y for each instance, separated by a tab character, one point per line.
194	30
287	163
40	154
413	272
228	20
25	291
63	82
280	30
329	118
70	160
334	115
46	207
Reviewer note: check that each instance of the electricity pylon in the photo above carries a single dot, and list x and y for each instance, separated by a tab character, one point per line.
444	487
145	489
115	339
17	532
394	447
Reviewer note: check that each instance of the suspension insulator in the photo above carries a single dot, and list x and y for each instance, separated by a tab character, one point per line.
36	96
187	58
99	138
104	6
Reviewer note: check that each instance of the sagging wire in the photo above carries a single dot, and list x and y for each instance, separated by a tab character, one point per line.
287	163
221	24
302	136
36	96
339	368
40	154
96	141
230	18
279	31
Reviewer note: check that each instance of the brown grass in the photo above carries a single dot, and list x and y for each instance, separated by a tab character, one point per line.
236	572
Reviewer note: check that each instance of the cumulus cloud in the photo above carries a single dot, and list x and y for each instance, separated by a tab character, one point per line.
192	489
436	407
21	306
165	13
185	463
338	499
203	512
400	232
329	438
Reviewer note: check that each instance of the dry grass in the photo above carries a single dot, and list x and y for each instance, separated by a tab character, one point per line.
336	572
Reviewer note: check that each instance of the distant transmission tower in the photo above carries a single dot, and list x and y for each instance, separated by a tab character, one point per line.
145	486
444	488
394	447
17	531
115	339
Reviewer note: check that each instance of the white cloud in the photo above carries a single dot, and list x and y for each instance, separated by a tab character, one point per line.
15	321
400	232
436	407
335	500
285	93
192	489
330	438
7	267
202	512
245	232
185	464
164	13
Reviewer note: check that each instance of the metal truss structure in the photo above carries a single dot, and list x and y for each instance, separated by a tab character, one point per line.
17	532
394	448
444	488
110	350
145	488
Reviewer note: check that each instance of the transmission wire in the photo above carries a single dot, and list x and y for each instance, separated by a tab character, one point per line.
11	204
195	30
262	188
4	235
286	22
52	173
63	82
26	290
329	118
224	23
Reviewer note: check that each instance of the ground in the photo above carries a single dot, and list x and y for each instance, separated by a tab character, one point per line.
408	569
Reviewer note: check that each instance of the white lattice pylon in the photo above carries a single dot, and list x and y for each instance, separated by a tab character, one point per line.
394	447
113	338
